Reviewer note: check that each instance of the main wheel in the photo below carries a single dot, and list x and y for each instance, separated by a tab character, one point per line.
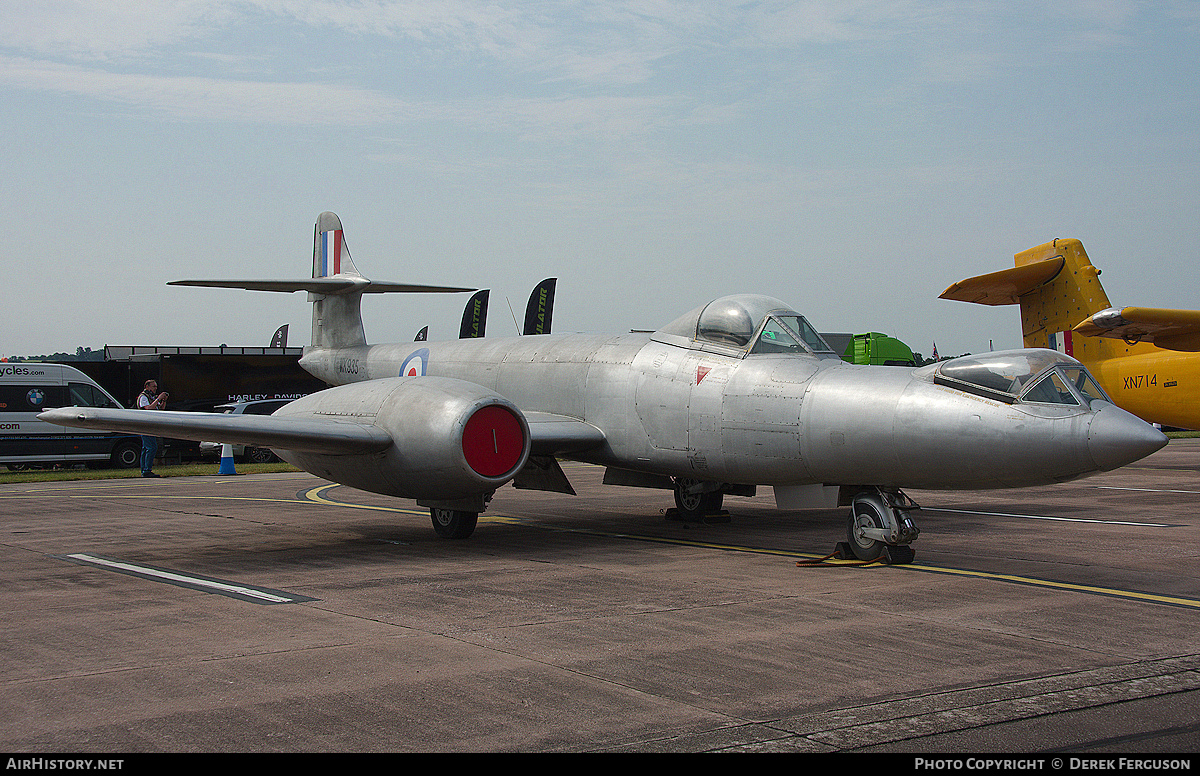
864	514
453	523
695	506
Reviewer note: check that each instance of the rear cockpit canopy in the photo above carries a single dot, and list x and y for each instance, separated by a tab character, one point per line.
1034	375
744	324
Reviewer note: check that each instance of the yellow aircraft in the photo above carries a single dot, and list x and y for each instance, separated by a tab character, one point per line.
1146	359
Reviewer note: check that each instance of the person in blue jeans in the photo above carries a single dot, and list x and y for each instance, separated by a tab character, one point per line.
150	399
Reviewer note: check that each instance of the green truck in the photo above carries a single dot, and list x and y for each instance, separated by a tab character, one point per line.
878	349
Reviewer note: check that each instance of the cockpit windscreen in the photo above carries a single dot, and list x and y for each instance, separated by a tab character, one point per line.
799	325
783	333
1041	376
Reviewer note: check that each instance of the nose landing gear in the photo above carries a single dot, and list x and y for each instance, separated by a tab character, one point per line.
880	526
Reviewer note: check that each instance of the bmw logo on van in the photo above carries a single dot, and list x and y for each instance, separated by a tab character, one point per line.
36	397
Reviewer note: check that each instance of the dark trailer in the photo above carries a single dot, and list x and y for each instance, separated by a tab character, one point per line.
200	378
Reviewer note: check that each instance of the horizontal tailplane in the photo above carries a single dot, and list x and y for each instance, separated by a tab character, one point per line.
335	288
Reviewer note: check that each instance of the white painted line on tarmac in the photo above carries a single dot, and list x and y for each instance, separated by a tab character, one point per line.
1047	517
1144	490
257	595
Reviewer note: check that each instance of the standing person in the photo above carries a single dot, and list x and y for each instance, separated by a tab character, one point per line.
150	399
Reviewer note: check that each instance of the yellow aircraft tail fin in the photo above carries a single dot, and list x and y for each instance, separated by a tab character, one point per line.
1062	302
1057	288
1050	313
1141	356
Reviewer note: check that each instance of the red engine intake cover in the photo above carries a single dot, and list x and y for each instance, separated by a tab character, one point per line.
493	441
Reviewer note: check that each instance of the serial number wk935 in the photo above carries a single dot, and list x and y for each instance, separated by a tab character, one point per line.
347	366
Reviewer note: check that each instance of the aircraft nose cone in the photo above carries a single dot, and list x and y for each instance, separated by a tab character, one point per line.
1116	437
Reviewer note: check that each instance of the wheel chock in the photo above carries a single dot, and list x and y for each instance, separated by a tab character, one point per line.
898	554
708	519
892	555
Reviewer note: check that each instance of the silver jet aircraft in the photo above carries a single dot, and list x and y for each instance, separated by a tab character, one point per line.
737	393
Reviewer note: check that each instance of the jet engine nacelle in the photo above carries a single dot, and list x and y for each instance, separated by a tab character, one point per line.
451	439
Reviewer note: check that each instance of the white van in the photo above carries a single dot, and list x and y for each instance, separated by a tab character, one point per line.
27	388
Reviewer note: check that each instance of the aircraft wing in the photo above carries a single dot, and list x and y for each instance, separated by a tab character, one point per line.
1169	329
1006	286
314	435
549	434
553	434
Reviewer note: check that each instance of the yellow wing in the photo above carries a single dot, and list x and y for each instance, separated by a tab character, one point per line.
1168	329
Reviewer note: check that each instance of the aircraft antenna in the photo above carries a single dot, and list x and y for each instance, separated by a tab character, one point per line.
516	325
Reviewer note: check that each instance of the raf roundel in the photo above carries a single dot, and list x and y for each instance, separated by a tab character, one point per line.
414	365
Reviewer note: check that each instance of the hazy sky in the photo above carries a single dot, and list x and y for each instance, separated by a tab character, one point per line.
851	158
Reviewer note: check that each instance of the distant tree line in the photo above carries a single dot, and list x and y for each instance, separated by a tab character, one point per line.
80	354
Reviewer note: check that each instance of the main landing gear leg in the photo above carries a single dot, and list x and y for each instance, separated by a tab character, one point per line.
697	501
453	523
456	519
880	527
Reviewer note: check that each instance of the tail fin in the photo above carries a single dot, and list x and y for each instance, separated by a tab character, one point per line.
331	257
1057	288
1050	313
335	289
336	316
1064	307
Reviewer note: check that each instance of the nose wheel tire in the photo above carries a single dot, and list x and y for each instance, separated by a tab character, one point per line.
453	523
865	516
881	526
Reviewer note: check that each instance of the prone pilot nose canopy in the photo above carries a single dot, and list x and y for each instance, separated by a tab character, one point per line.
1029	375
